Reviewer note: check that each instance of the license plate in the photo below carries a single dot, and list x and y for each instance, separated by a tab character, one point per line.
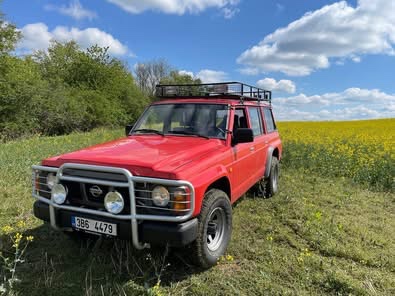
95	226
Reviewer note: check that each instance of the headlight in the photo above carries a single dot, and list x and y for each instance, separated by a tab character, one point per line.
160	196
51	180
113	202
59	193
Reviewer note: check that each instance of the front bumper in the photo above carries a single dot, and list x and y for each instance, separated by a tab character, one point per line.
154	228
151	232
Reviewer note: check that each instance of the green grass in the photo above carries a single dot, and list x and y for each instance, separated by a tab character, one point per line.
318	236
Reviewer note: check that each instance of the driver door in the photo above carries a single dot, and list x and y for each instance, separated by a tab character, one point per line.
243	169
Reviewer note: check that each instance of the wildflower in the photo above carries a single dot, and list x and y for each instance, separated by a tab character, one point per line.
17	239
155	290
226	258
18	236
30	238
304	254
7	229
307	253
21	224
229	258
269	238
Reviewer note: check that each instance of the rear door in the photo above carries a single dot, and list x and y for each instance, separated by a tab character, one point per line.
260	144
272	137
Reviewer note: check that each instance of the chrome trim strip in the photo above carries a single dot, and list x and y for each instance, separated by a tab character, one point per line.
44	168
163	209
133	217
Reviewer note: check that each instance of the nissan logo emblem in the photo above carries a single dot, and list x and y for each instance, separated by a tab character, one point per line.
96	191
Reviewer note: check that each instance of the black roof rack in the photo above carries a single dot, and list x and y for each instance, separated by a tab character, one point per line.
240	90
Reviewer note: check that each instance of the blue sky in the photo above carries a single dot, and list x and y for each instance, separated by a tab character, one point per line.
324	60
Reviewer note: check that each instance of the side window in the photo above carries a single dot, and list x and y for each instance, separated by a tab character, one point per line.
270	124
256	120
240	120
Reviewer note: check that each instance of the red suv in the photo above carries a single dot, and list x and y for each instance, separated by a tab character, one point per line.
173	178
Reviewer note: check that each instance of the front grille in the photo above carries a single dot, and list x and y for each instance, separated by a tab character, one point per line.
104	176
80	194
91	195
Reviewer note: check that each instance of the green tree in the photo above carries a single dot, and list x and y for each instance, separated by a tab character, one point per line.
8	36
177	78
21	86
63	89
99	84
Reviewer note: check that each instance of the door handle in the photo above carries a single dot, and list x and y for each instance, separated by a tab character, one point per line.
252	148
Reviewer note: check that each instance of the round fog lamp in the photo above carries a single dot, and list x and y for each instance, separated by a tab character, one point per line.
160	196
113	202
59	193
51	180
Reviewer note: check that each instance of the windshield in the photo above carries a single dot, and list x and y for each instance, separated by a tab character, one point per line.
204	120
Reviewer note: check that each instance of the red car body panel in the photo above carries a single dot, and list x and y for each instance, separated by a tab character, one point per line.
198	160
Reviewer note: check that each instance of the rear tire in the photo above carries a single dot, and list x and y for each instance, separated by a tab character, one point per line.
272	180
214	228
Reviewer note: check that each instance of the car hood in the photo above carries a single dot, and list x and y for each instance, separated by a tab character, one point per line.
143	155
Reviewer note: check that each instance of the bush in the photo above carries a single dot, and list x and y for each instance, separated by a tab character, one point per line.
66	89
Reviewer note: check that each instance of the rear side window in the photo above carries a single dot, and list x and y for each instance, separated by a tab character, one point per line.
270	124
256	121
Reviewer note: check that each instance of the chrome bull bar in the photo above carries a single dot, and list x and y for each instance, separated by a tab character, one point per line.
133	216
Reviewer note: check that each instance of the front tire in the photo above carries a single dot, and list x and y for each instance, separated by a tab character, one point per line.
214	228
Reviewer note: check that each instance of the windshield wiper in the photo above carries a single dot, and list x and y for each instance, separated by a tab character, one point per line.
189	134
148	130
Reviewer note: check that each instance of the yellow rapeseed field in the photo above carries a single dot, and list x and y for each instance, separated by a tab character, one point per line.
361	150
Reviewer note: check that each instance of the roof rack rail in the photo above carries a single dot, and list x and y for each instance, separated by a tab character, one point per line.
240	90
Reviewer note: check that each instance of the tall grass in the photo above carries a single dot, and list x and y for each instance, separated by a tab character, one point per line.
318	236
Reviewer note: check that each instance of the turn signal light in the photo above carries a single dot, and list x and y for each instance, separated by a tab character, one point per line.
181	200
36	181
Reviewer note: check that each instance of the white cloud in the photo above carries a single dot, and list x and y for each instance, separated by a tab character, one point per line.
352	103
336	31
211	76
206	75
249	71
74	10
273	85
184	72
179	7
356	59
37	37
230	12
302	100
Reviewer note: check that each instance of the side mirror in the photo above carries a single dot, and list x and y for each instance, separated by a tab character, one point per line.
128	128
243	135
